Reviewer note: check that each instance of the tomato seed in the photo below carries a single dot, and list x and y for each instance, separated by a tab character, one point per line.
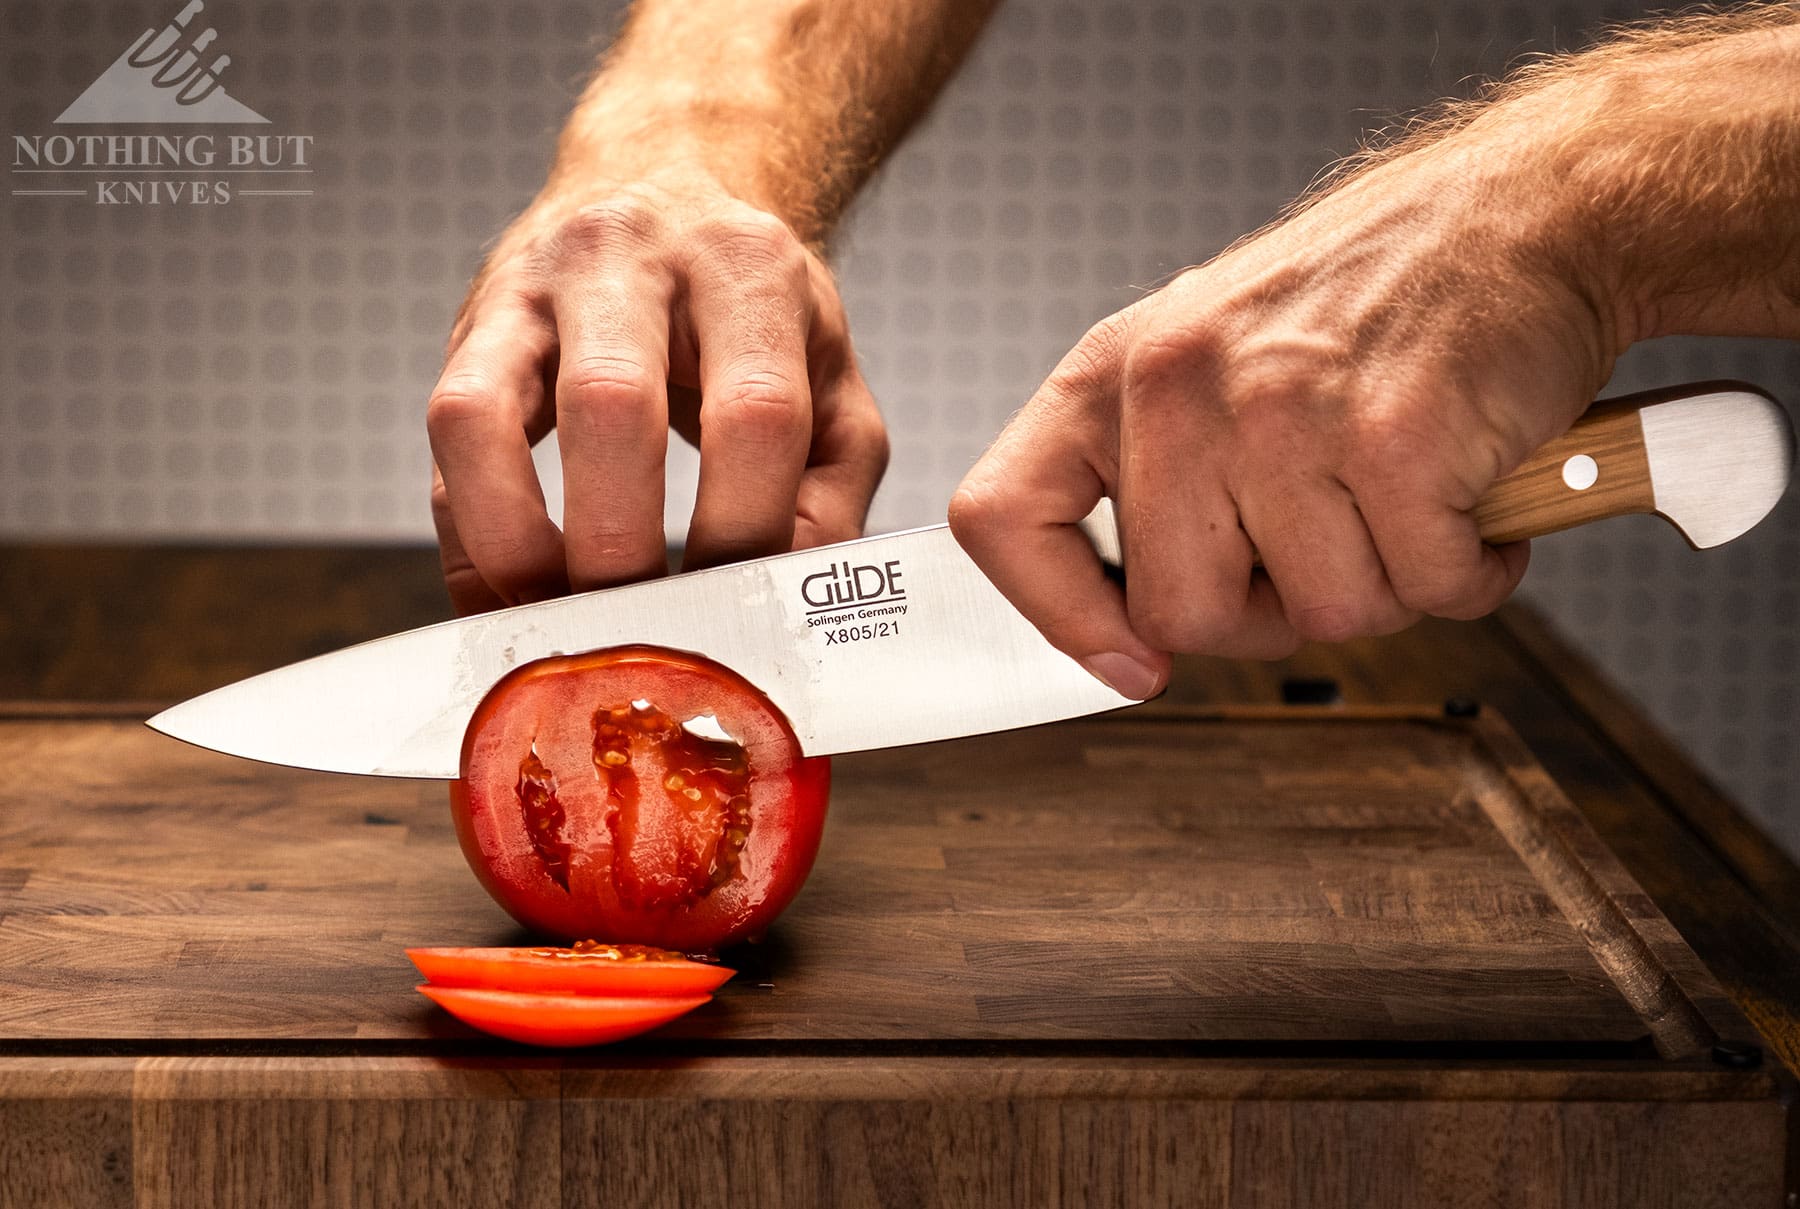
705	780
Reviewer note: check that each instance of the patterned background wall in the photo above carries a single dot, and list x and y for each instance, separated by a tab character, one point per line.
257	369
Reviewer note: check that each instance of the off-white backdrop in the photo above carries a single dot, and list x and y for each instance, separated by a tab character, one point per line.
258	369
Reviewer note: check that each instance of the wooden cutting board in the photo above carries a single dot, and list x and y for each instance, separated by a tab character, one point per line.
1261	911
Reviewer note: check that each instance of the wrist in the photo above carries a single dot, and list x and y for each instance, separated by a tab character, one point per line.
1680	200
1524	235
687	144
1592	164
1549	152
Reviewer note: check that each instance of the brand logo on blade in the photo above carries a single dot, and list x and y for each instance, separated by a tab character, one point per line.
171	76
849	584
855	602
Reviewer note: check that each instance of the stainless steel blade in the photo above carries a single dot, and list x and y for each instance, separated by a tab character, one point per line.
879	642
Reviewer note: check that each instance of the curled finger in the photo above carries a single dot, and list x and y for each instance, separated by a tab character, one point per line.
485	411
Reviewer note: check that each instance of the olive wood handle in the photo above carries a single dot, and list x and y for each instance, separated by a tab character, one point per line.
1711	457
1597	469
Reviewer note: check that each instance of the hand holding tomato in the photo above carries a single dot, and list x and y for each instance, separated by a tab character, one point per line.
613	313
668	277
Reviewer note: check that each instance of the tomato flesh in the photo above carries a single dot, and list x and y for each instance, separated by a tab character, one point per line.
645	795
587	968
544	817
678	805
559	1020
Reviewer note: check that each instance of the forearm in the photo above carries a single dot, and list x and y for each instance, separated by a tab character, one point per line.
1690	186
1656	176
789	104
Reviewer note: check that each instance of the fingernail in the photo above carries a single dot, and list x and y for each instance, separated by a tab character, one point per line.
1124	675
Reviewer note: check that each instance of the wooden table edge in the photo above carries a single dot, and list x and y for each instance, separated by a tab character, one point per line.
531	1076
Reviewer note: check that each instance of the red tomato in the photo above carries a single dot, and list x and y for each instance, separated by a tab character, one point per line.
538	1019
594	801
586	969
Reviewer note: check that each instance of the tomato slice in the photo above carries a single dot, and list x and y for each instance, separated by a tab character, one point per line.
617	970
566	1020
642	794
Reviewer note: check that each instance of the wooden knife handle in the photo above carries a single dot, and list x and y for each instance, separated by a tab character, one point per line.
1597	469
1712	458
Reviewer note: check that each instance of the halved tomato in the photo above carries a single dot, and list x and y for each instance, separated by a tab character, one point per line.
645	795
538	1019
586	969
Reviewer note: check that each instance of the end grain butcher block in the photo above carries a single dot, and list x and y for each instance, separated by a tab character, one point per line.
1311	957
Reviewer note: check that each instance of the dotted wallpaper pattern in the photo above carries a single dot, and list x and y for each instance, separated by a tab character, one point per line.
258	369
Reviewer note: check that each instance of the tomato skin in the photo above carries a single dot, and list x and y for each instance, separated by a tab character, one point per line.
559	1020
603	887
526	969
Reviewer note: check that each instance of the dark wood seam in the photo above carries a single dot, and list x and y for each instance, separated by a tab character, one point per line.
1633	1054
1770	900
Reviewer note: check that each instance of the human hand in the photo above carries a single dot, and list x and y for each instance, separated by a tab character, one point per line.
613	312
1330	397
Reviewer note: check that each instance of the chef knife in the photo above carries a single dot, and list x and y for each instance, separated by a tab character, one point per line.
899	638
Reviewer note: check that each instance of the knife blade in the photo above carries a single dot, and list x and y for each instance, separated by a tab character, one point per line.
898	639
877	642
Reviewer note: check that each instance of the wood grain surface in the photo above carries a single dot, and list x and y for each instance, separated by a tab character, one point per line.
393	1116
1278	956
1264	879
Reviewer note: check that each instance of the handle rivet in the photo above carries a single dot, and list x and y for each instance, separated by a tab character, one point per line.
1581	472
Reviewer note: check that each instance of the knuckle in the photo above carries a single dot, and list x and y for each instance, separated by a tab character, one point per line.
505	556
1096	361
762	411
1172	363
1391	446
979	510
457	401
755	239
757	229
1169	626
599	384
1331	621
1441	597
1474	603
621	218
